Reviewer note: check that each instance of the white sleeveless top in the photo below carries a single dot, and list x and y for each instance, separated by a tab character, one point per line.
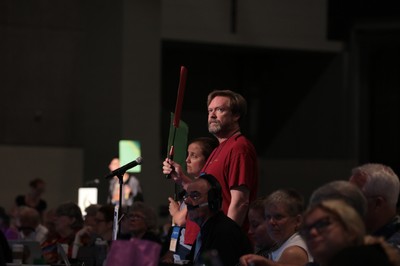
294	240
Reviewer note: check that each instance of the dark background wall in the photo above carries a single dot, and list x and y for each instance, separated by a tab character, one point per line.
321	82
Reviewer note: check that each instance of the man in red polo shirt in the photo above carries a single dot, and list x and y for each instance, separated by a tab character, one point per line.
233	162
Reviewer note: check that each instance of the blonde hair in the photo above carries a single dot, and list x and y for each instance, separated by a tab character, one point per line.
346	215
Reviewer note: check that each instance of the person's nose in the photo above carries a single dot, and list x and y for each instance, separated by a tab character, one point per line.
187	159
250	232
271	221
211	114
312	232
188	200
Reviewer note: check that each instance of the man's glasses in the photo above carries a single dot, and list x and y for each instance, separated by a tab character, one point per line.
193	195
319	226
135	217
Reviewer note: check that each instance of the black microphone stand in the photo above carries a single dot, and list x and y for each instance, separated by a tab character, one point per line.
121	183
120	172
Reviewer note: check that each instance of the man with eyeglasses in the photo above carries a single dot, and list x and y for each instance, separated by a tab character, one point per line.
220	238
86	244
380	185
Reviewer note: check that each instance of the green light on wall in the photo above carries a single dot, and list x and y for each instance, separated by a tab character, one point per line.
129	150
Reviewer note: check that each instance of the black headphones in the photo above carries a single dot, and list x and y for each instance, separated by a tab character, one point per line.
215	192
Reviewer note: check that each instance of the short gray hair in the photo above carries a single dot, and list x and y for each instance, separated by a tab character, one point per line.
150	216
291	199
381	180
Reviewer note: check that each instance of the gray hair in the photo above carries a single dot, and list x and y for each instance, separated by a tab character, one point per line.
150	216
292	201
381	180
342	190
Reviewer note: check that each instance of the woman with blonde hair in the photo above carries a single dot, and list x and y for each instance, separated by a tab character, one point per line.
335	235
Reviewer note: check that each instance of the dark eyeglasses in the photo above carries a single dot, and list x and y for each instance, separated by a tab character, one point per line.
319	225
193	195
135	217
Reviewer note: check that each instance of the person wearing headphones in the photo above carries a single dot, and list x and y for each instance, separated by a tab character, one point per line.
220	237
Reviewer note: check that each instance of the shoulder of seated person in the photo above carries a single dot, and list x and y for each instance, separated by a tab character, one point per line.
294	251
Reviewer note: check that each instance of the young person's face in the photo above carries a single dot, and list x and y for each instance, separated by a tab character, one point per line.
195	159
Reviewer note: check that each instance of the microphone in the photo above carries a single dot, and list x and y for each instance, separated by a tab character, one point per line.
193	207
94	182
123	169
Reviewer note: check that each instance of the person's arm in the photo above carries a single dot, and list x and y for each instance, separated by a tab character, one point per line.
240	197
175	170
253	260
293	255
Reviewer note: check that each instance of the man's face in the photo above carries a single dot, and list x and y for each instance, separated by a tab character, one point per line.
197	193
90	220
102	227
221	121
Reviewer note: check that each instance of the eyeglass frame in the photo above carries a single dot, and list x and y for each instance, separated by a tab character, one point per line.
320	226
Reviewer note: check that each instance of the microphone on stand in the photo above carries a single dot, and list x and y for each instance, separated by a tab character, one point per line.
123	169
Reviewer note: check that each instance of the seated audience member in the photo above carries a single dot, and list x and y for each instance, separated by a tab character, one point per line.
198	152
283	213
9	231
334	233
68	221
258	233
33	198
104	222
380	186
341	190
142	222
218	233
87	239
86	236
90	217
28	221
49	218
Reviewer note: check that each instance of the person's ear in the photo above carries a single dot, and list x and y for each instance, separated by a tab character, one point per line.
379	201
351	236
236	118
299	220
